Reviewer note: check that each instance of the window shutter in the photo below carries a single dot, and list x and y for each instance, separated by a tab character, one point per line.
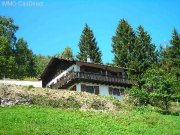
110	90
83	87
96	90
122	92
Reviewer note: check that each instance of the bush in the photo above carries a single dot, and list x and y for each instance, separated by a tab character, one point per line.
30	79
160	100
138	96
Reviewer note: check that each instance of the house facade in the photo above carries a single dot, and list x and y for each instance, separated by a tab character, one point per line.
79	76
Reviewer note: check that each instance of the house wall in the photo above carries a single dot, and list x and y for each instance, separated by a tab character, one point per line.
103	89
78	87
76	68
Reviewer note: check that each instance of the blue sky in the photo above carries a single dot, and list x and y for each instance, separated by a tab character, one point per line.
53	25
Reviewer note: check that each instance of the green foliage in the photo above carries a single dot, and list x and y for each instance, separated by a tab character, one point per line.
25	60
144	55
26	78
133	50
43	120
160	100
160	86
158	89
67	54
16	58
41	63
138	96
123	44
8	29
170	59
88	46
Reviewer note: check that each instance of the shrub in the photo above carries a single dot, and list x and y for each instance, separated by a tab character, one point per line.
138	96
30	79
160	100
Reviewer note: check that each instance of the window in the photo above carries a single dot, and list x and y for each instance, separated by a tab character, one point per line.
90	89
116	92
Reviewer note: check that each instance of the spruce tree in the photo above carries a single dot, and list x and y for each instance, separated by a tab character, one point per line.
170	59
144	52
122	44
88	46
170	56
174	51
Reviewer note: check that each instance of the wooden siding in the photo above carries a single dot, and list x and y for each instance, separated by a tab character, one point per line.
72	77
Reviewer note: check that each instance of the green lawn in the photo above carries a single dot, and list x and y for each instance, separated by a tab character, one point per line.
24	120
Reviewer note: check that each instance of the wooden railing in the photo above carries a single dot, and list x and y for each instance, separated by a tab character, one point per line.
90	77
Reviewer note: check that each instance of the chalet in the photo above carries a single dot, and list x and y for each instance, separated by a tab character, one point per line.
85	76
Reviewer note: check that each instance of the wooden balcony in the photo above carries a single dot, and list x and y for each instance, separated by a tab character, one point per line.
75	77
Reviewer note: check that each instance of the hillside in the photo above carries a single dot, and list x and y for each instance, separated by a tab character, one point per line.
31	120
55	112
55	98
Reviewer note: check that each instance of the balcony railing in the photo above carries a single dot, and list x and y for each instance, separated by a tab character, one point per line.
91	77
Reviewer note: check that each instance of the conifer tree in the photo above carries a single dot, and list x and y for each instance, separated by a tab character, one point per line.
123	43
88	46
170	56
174	51
144	52
170	59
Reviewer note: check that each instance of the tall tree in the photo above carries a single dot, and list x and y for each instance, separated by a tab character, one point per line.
7	59
7	41
41	62
17	60
67	54
144	53
25	59
8	29
88	46
170	56
122	44
174	52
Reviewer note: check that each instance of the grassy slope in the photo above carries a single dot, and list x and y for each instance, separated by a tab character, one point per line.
22	120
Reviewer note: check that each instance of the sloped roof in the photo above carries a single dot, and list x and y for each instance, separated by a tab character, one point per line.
55	60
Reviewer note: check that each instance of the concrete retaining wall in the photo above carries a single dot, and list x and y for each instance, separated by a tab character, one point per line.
24	83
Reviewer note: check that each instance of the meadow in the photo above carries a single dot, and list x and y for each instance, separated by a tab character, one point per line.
31	120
